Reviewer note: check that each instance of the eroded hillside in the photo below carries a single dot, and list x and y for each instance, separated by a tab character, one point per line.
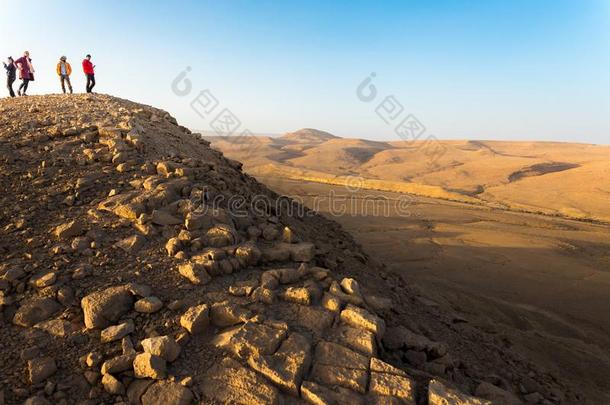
138	265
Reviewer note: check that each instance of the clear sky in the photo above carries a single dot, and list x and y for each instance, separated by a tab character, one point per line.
476	69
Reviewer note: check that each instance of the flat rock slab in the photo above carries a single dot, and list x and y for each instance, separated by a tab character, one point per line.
230	382
287	366
256	339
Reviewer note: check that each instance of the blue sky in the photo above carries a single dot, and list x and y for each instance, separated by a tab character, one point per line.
486	69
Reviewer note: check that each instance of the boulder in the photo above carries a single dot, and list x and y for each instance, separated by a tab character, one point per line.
112	385
146	365
102	308
39	369
35	310
162	346
196	319
195	273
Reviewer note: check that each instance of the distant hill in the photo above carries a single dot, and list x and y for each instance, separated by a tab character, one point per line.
565	179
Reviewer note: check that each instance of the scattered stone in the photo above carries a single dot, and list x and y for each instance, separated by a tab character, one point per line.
131	244
35	310
112	385
196	319
69	230
102	308
40	369
148	305
195	273
162	346
118	364
146	365
116	332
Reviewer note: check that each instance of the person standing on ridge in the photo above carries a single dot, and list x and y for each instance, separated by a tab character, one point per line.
64	70
88	68
26	72
10	75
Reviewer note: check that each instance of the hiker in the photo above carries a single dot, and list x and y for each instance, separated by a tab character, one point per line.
26	72
10	75
64	70
89	72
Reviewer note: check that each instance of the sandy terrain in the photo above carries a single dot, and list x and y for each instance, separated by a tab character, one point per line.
563	179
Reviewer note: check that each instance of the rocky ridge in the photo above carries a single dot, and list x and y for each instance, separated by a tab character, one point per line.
141	266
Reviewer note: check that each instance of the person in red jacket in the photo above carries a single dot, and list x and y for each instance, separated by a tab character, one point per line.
89	72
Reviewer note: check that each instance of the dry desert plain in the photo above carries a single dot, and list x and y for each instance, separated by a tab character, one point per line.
516	235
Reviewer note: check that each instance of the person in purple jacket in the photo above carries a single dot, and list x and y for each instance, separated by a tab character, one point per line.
26	72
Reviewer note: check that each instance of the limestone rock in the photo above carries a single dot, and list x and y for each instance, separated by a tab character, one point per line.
167	393
148	305
287	366
35	310
146	365
338	365
196	319
389	381
317	394
116	332
255	339
118	364
163	218
69	230
220	235
104	307
363	319
40	369
230	382
225	314
162	346
131	244
112	385
441	394
195	273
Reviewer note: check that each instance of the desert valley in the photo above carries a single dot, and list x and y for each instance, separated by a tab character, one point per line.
513	234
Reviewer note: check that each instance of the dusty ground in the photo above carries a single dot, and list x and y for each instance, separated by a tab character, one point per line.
542	280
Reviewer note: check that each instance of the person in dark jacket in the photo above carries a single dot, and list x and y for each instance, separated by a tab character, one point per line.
88	68
26	72
11	75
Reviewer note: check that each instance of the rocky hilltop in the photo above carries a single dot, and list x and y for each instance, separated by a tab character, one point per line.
138	265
